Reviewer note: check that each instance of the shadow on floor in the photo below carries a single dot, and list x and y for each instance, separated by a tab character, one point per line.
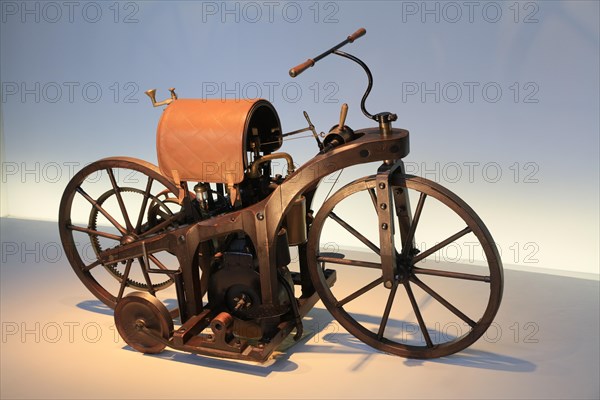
325	336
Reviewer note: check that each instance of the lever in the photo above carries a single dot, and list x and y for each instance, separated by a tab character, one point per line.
310	127
339	134
343	115
313	130
152	94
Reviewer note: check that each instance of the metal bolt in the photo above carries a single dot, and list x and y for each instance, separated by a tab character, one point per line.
383	206
388	284
384	226
381	185
260	216
181	238
232	219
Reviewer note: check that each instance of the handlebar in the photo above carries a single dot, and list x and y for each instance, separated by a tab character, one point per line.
298	69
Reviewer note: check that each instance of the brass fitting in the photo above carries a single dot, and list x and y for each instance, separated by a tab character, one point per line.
254	169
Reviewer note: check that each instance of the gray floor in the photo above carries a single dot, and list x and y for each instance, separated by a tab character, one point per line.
59	342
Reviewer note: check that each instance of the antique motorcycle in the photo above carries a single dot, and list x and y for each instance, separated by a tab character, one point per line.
131	230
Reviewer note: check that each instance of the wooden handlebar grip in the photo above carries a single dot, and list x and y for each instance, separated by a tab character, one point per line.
357	34
298	69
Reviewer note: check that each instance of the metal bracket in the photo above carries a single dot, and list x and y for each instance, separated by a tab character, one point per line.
385	215
402	202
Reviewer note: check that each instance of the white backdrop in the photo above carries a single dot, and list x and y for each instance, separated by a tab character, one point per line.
501	98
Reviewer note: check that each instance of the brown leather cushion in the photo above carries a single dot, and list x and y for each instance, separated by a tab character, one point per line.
204	140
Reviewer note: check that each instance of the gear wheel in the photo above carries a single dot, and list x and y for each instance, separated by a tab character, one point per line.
156	210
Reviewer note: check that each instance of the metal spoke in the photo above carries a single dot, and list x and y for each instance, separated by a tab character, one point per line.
415	307
160	226
117	190
163	214
359	292
334	182
413	227
158	263
373	197
451	274
386	313
138	224
355	263
93	232
146	276
102	210
125	277
88	268
443	301
441	245
354	232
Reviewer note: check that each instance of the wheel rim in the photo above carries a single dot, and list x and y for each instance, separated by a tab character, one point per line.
433	320
121	215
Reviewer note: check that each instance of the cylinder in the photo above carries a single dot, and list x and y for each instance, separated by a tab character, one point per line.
222	322
295	222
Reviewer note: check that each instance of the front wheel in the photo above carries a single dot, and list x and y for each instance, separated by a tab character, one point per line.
441	300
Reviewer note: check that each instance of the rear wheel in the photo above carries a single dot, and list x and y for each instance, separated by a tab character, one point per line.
109	203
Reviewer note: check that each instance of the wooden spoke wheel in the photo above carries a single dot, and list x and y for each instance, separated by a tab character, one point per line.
140	319
110	203
442	299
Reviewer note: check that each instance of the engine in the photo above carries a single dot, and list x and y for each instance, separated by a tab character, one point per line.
234	285
228	147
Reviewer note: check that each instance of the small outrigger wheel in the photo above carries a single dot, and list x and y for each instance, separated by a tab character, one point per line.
140	319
